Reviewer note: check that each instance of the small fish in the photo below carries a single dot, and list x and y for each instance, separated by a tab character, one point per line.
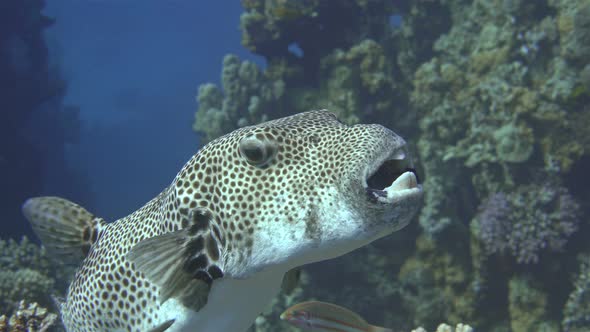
327	317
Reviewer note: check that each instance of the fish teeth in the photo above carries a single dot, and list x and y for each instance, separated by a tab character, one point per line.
400	187
405	181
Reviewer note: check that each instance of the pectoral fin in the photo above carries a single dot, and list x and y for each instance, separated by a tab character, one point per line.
182	263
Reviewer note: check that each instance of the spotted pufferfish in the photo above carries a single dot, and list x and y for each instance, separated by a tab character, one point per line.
210	251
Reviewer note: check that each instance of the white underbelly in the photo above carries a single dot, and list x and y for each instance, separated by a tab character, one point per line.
233	305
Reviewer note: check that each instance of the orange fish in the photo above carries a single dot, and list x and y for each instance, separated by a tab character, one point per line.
326	317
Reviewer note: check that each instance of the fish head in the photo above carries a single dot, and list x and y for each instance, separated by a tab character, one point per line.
300	189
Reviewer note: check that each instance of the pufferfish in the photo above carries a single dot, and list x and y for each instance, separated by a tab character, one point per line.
210	251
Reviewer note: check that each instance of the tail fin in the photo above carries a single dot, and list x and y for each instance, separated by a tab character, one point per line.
66	229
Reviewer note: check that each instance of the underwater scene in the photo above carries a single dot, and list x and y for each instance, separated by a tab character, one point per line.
295	165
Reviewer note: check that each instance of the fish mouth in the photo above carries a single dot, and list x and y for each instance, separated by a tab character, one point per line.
392	179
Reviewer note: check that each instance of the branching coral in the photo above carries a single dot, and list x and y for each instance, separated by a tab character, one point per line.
248	97
355	83
577	308
24	283
26	273
434	285
269	27
527	222
340	65
575	29
492	225
528	306
28	317
447	328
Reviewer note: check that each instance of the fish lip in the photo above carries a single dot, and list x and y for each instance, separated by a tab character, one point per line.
408	185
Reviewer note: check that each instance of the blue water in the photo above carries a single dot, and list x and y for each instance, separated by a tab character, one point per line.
134	67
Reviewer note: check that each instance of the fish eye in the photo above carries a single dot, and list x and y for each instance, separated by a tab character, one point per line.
257	152
333	115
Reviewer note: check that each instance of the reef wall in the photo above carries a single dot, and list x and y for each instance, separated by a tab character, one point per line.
35	126
493	97
28	274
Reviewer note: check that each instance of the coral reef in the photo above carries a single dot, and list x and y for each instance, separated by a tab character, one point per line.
577	308
245	88
343	67
434	285
355	80
447	328
527	221
528	306
317	27
493	96
510	102
498	109
26	273
358	78
28	318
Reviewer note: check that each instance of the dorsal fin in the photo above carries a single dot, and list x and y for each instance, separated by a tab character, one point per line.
66	229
